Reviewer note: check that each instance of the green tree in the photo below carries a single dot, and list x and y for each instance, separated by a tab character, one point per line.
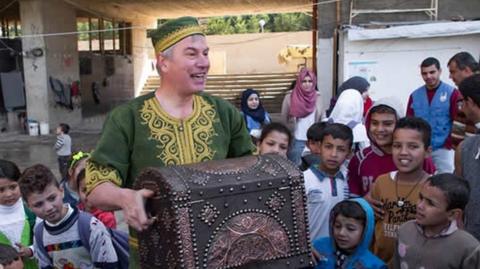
291	22
240	24
254	23
227	25
82	27
219	26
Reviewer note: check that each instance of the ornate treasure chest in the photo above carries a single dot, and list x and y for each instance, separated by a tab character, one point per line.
247	212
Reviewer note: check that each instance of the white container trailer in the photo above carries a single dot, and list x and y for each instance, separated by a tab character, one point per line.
390	58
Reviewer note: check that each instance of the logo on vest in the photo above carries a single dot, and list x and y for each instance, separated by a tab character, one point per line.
443	97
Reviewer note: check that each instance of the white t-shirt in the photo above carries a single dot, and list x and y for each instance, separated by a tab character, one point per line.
12	221
321	198
302	126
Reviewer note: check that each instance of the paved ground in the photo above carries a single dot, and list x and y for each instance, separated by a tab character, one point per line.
27	150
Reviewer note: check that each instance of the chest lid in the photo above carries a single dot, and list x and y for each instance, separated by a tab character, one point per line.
220	178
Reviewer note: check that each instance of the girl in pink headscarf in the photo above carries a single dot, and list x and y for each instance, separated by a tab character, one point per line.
300	109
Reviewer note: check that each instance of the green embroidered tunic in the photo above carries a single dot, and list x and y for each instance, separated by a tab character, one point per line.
140	134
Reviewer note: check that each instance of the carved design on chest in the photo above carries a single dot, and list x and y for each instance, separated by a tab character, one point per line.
247	236
275	202
299	202
154	243
202	177
170	260
269	168
168	220
199	179
209	213
186	240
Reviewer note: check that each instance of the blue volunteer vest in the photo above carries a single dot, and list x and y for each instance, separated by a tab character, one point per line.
437	113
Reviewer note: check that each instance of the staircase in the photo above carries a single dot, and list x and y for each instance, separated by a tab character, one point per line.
272	87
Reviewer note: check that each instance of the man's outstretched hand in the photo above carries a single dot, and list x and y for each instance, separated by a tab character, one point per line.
133	206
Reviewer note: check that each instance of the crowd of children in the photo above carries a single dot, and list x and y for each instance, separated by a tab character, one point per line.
409	216
47	224
373	198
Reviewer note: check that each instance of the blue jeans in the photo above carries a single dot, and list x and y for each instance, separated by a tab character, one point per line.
295	152
444	160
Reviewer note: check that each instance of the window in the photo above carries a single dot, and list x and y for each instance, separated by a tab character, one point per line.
102	35
10	28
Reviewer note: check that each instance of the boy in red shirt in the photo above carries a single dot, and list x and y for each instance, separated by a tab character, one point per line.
367	164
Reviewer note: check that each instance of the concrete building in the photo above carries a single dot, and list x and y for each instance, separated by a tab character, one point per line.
337	18
107	70
110	68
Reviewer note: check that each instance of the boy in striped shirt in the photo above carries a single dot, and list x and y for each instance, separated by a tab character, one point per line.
63	147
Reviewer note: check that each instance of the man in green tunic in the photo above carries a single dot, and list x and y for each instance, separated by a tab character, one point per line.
177	124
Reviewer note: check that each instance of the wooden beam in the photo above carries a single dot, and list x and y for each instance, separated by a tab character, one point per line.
314	35
90	33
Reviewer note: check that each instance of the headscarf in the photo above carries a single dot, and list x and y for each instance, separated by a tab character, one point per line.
357	83
349	111
302	102
257	114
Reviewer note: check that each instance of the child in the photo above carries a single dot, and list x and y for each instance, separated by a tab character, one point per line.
371	162
70	184
310	157
16	220
325	183
352	223
107	217
58	242
398	190
63	146
253	112
275	138
433	239
9	258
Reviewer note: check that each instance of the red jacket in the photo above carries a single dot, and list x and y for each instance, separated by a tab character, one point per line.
106	217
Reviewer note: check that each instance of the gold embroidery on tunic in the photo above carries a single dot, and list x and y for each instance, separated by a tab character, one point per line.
95	174
181	141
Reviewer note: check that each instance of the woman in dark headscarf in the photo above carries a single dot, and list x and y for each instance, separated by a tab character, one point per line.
357	83
253	112
300	109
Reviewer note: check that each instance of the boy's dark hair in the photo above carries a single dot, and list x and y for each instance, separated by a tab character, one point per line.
8	254
349	209
417	124
35	179
64	127
382	109
455	188
275	126
338	131
314	133
463	60
470	88
430	61
9	170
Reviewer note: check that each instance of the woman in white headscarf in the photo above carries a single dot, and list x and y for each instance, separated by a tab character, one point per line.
348	110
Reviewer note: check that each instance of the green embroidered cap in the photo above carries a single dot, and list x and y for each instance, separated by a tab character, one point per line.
171	32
